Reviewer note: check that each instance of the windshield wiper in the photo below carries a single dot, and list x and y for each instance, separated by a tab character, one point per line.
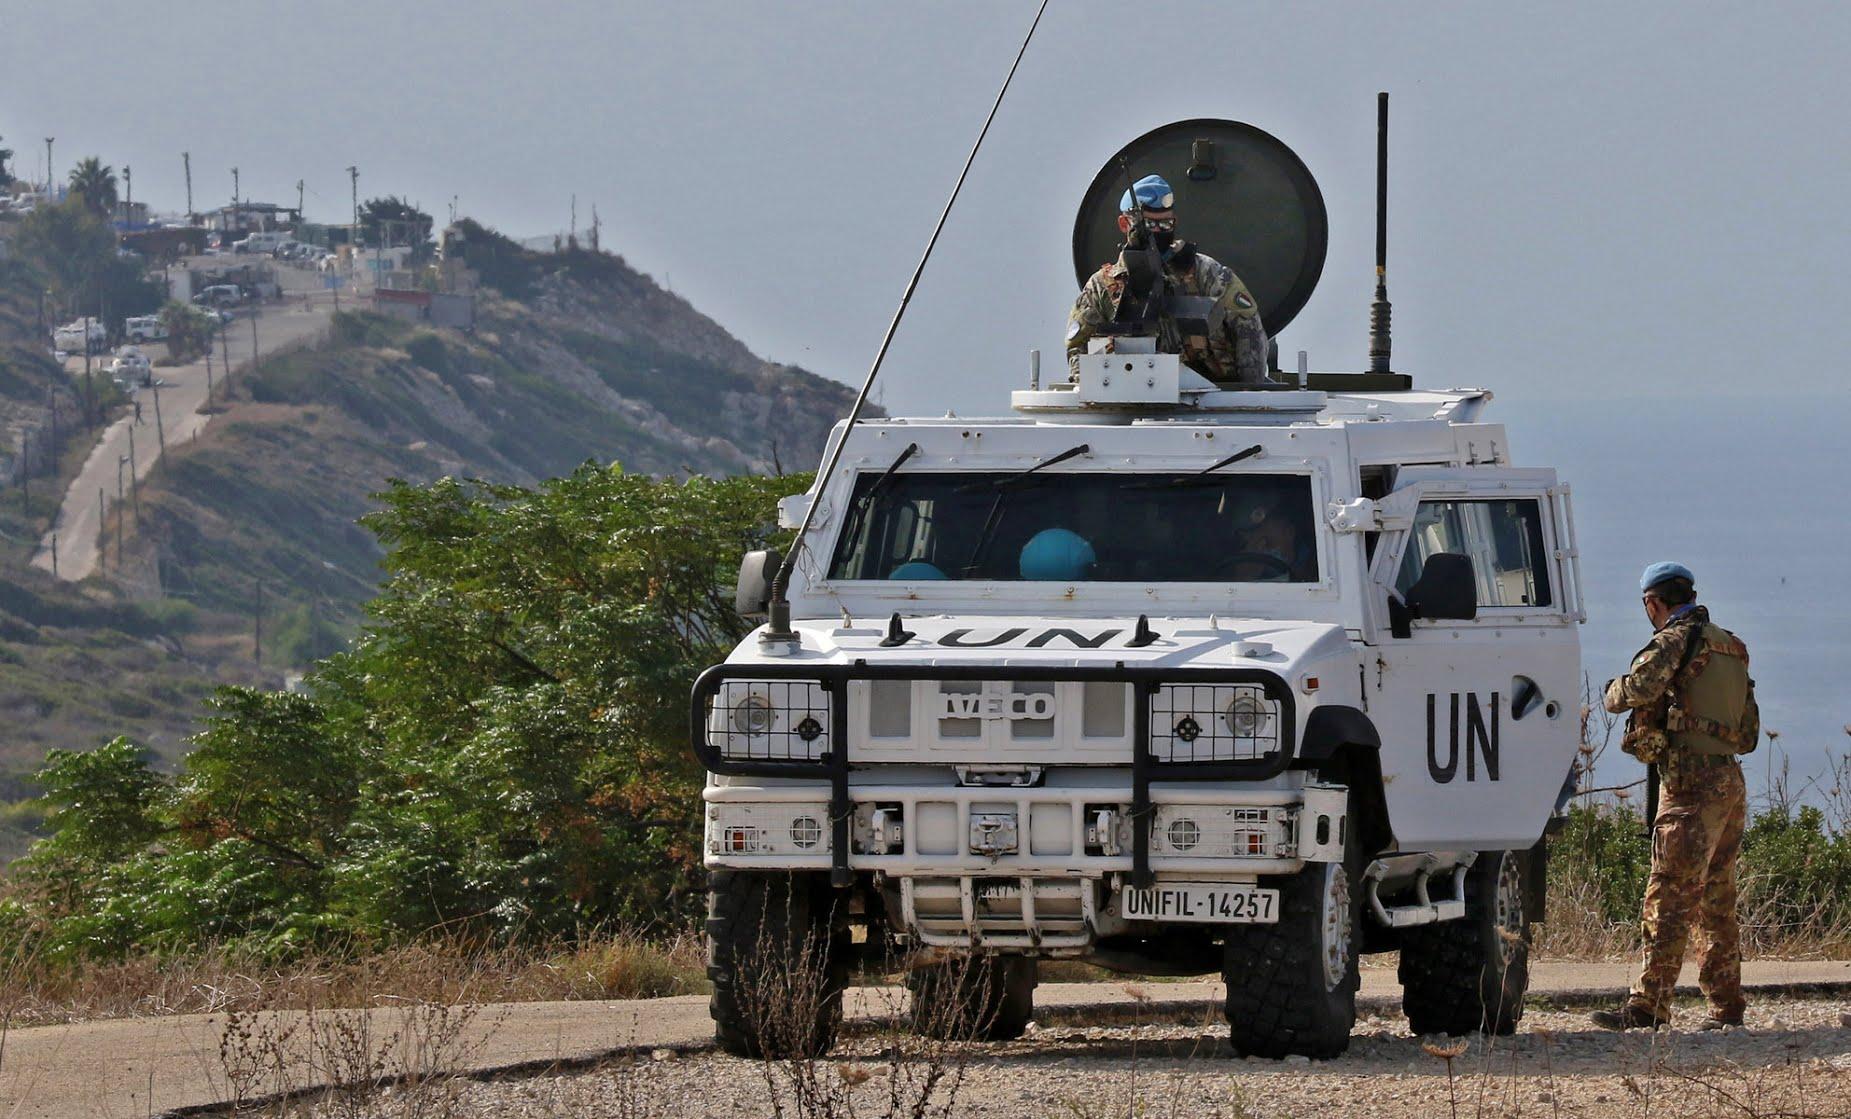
1001	486
1237	456
1019	476
1200	477
860	512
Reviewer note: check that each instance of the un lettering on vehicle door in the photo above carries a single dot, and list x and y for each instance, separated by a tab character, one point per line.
1476	714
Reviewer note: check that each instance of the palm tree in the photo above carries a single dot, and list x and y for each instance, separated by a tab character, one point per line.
95	182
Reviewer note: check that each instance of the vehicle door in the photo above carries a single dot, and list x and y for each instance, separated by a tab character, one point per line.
1479	716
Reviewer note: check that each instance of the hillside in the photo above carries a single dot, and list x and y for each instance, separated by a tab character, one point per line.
575	356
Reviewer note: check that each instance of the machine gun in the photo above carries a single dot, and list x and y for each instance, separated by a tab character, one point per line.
1149	305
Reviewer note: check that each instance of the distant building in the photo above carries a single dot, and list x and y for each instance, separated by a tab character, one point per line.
253	217
130	216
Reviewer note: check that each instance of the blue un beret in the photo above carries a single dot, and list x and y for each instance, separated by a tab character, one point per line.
1658	572
1153	194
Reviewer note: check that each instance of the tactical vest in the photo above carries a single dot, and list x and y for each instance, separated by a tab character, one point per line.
1713	709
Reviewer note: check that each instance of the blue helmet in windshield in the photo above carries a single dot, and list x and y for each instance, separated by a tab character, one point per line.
916	569
1057	554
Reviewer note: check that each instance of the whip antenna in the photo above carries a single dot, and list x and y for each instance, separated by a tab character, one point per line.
1379	339
779	608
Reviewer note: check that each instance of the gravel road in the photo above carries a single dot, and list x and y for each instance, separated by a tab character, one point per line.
1793	1058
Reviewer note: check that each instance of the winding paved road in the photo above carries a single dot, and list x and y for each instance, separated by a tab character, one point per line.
77	531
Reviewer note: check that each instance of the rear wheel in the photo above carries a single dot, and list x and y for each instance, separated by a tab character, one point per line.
777	953
1292	985
1470	974
980	998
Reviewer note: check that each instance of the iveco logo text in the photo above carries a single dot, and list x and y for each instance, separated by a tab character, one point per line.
1016	705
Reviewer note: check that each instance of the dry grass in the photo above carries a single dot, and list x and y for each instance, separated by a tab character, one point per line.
615	966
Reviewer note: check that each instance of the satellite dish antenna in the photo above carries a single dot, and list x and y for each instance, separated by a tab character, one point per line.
1242	197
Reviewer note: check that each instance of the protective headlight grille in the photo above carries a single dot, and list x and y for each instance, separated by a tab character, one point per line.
770	720
1213	723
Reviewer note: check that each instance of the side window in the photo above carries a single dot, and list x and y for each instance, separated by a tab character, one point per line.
1504	539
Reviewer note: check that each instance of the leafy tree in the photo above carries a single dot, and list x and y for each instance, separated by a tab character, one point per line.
502	752
6	177
70	244
76	248
94	182
188	334
394	221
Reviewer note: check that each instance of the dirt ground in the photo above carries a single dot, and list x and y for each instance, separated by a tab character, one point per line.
1793	1058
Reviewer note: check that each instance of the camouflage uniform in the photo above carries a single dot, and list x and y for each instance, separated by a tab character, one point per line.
1236	353
1703	804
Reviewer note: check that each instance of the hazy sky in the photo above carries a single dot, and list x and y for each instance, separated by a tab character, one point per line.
1587	199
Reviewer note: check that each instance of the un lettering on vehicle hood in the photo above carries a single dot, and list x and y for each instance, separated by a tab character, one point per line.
972	641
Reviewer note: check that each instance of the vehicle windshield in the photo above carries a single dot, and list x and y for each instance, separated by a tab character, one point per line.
1062	527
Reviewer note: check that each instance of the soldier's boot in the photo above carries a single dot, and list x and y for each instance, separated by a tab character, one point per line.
1632	1016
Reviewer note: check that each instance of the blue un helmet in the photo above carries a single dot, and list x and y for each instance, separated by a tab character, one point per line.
1154	193
1057	555
1657	573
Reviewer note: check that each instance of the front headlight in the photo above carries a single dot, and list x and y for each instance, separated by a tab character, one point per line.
770	720
1213	723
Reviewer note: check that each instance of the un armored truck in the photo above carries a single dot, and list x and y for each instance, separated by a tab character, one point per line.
1161	675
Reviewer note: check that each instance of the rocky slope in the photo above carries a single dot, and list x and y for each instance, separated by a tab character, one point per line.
575	356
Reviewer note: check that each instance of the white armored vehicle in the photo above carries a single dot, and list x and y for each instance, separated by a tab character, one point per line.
1161	675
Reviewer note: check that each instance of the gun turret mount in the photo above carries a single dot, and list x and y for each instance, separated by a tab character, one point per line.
1242	197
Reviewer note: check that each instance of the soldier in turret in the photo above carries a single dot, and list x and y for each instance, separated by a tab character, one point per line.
1691	710
1233	350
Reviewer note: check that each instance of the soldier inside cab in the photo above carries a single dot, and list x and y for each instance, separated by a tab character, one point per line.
1234	348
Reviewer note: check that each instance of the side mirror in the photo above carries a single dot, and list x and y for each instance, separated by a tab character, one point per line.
752	594
1447	588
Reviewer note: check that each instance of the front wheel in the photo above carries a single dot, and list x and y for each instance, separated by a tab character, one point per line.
777	953
1292	985
1470	974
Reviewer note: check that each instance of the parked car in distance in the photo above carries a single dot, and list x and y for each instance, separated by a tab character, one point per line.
144	328
132	366
219	295
266	242
71	337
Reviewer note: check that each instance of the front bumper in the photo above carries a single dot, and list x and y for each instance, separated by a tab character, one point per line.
830	759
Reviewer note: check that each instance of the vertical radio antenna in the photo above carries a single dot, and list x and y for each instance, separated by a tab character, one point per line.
1379	311
779	630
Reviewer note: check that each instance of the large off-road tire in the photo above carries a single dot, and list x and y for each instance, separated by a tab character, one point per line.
1469	975
777	953
976	998
1292	985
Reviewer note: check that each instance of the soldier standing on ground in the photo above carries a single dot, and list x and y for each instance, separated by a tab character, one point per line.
1692	709
1234	350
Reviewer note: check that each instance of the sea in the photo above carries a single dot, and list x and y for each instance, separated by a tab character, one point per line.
1744	492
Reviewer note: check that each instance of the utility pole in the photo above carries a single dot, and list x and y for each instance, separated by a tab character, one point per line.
120	459
353	234
128	187
298	201
89	385
235	213
134	482
187	159
50	179
225	355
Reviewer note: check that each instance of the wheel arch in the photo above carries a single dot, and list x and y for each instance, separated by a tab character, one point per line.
1341	744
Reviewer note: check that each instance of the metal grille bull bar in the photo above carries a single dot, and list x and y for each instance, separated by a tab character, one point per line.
833	763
